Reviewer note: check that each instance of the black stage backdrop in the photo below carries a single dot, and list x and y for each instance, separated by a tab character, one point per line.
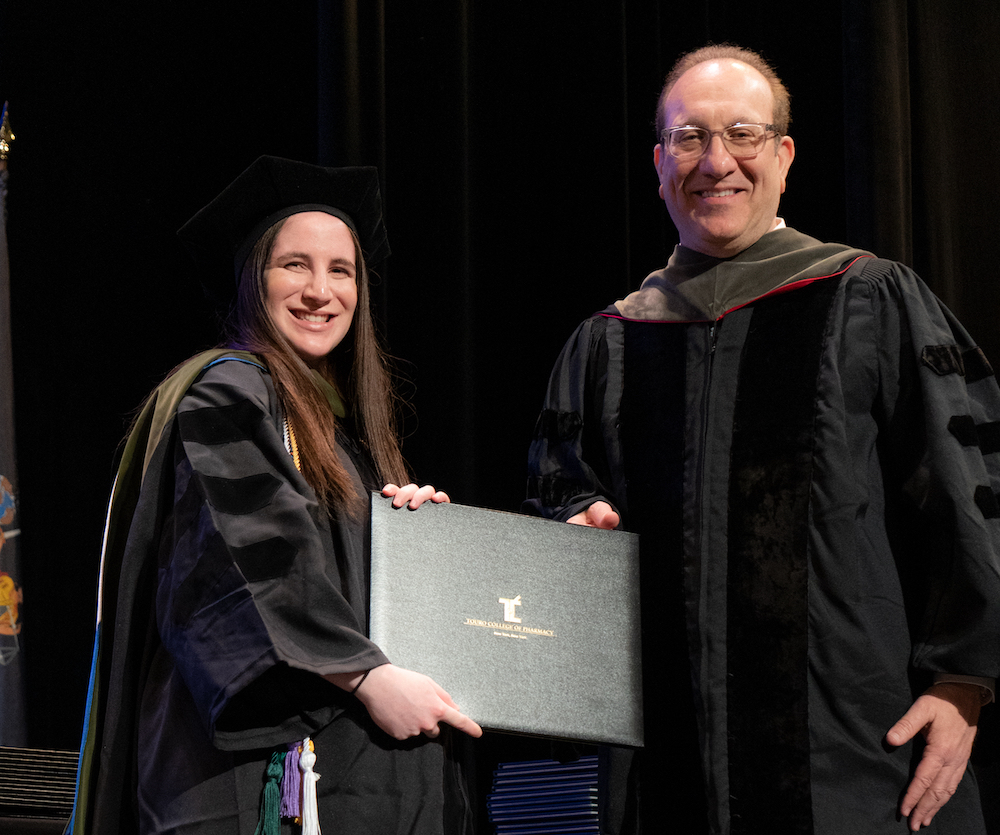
515	144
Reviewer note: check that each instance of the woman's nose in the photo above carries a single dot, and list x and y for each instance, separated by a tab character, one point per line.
317	287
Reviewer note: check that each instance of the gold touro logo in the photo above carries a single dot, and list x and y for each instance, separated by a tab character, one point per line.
511	626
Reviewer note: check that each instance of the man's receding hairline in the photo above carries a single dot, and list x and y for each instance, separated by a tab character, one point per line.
721	62
721	53
767	86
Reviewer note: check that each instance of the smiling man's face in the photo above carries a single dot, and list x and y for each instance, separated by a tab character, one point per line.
721	205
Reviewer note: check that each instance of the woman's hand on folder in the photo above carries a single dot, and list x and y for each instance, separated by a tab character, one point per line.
414	496
598	515
404	704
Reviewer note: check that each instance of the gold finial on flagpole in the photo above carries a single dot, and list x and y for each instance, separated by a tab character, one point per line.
6	136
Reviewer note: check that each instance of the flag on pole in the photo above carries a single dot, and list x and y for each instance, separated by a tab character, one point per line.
13	730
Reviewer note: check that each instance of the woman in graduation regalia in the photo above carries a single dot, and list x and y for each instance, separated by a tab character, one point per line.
235	569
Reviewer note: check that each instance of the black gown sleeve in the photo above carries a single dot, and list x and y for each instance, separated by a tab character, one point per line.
258	591
572	455
940	415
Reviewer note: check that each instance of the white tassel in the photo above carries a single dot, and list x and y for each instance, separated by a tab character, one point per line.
310	808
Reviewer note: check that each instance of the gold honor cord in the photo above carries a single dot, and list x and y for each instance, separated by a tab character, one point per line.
294	446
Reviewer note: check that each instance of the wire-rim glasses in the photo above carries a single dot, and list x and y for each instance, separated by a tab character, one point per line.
743	140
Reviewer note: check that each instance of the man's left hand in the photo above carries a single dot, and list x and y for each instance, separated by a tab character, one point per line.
947	715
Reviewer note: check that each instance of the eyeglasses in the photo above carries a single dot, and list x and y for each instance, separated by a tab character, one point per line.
742	141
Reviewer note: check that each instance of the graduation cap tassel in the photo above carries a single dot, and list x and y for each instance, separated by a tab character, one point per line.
269	822
310	810
291	784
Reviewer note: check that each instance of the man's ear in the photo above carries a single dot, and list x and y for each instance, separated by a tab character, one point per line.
786	153
657	158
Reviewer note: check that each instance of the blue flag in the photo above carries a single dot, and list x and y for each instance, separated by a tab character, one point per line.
13	728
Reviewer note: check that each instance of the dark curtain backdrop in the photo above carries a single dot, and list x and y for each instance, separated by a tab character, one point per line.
515	144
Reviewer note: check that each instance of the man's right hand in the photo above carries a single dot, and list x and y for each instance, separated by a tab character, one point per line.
598	515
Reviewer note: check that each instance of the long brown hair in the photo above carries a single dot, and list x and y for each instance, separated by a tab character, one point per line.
358	367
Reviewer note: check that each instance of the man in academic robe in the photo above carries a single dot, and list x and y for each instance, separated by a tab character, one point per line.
808	443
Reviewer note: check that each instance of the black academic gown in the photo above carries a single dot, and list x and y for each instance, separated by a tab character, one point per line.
805	438
236	593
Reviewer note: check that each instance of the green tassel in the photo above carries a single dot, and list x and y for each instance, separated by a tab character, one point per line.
269	822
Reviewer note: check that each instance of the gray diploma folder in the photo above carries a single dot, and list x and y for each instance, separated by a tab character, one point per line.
531	625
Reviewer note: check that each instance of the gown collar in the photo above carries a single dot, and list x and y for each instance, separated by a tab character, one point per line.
698	287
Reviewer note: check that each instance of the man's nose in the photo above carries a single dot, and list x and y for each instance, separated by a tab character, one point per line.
717	160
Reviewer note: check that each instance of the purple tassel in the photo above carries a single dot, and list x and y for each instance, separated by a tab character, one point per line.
291	784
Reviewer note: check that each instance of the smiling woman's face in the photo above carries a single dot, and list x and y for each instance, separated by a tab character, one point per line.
311	284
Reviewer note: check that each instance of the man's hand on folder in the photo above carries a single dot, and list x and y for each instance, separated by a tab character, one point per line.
598	515
404	704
